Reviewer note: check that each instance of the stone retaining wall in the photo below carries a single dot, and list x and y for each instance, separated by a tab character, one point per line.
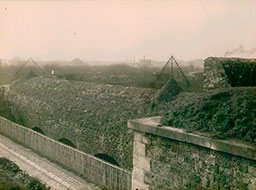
169	158
228	72
92	116
90	168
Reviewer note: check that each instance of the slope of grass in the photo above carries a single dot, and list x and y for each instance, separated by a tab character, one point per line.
226	114
12	178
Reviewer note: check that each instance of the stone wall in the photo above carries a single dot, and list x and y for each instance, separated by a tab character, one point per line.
226	72
193	167
169	158
92	169
92	116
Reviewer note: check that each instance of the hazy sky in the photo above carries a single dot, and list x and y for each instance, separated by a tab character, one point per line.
114	30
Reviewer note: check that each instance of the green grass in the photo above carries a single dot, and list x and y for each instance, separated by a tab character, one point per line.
223	114
12	178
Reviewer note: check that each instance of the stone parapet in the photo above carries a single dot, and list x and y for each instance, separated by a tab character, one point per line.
182	160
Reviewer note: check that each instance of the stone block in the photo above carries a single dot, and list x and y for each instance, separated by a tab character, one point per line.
138	174
136	185
140	137
198	140
139	149
234	148
137	136
141	162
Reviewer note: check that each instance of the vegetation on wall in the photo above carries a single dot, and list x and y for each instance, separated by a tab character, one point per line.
240	72
12	178
226	114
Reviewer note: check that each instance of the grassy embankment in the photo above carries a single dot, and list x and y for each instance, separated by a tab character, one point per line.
223	114
12	178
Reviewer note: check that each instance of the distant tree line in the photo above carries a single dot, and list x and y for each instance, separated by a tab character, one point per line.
119	74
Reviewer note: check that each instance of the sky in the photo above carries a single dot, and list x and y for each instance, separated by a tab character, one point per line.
123	29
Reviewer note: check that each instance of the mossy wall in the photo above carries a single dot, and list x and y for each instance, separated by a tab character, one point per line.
178	165
92	116
229	72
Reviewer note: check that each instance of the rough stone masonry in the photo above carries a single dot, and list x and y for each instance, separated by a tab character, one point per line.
92	116
169	158
228	72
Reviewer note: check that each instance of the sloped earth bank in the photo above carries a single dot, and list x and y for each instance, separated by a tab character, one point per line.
5	110
226	114
94	116
12	178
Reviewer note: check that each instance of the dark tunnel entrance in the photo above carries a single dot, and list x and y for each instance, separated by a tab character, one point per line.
37	129
67	142
107	158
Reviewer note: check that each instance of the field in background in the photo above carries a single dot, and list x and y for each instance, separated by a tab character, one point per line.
139	75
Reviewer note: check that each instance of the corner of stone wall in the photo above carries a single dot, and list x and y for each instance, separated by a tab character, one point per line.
214	76
141	164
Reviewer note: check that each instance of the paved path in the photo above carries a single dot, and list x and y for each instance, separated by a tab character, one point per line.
47	172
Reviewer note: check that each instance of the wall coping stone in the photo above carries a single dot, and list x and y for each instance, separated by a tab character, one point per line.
151	125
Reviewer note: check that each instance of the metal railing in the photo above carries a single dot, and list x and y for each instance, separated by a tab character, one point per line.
89	167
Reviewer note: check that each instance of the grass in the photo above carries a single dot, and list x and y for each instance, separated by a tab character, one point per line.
12	178
225	114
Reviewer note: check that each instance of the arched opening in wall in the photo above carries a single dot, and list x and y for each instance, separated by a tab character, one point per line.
67	142
37	129
107	158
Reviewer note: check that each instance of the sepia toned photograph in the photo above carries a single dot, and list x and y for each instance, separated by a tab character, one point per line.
127	95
